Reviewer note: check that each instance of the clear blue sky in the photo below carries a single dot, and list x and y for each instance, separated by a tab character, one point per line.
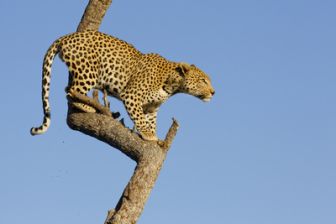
262	151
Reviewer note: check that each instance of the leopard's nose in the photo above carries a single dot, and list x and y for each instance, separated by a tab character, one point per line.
212	92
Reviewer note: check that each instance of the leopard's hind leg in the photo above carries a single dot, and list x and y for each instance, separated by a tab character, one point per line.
81	84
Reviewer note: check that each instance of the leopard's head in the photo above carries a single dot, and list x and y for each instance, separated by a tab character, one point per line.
195	82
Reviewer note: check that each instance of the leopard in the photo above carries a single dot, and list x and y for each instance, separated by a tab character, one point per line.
142	82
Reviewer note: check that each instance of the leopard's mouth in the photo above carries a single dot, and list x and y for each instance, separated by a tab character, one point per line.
204	98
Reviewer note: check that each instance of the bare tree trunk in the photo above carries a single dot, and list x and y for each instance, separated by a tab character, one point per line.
93	15
149	156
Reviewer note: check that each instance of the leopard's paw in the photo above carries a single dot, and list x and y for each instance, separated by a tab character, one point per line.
148	136
84	107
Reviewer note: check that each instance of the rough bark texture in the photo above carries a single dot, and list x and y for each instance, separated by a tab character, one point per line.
93	15
149	156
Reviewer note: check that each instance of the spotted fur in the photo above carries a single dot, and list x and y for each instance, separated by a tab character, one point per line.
141	81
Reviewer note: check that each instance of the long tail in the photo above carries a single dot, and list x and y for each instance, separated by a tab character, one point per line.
46	75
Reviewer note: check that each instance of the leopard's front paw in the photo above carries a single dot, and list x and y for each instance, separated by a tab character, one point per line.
148	136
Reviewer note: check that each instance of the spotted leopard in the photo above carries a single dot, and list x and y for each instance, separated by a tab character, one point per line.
141	81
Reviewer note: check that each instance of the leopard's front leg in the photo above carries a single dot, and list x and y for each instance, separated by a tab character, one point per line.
135	110
151	120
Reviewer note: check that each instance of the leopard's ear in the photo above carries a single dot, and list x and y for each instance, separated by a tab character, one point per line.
183	68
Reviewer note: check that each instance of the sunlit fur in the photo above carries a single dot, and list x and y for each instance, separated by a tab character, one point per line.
141	81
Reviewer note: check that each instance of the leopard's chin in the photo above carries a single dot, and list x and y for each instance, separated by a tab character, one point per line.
206	99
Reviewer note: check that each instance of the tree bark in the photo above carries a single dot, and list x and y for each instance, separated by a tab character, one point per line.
93	15
148	155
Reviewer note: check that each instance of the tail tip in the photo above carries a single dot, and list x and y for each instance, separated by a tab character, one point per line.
33	131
